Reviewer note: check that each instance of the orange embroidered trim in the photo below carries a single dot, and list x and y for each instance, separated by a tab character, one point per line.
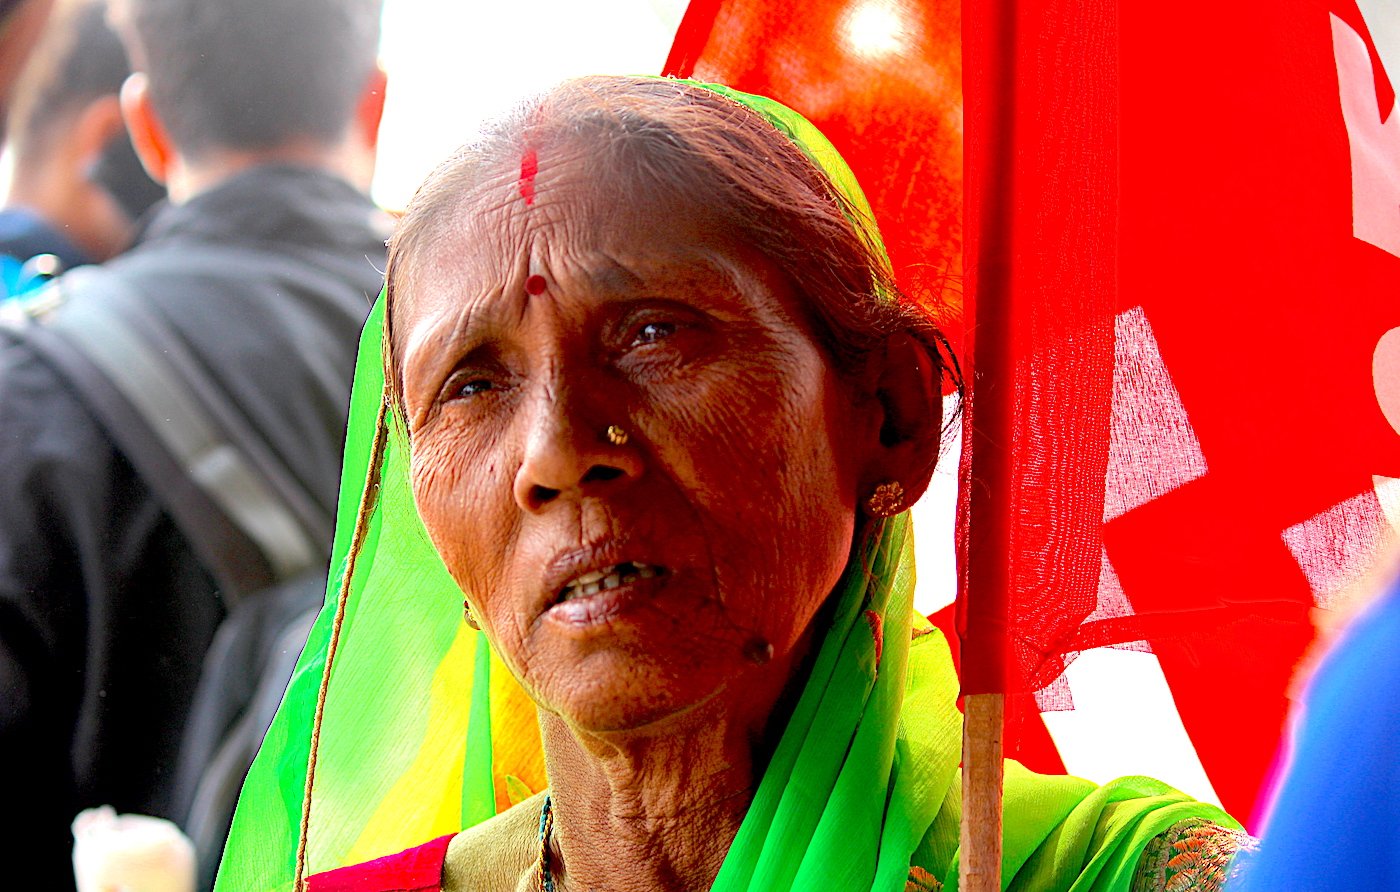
921	880
1192	856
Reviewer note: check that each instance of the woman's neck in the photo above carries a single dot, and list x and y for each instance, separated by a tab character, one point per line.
657	809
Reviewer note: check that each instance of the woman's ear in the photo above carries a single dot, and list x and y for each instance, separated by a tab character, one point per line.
908	388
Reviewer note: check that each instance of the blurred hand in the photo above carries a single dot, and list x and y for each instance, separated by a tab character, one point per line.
130	853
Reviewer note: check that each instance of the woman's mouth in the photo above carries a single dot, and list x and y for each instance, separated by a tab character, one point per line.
597	581
591	602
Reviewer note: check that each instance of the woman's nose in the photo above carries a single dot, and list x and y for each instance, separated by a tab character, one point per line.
568	458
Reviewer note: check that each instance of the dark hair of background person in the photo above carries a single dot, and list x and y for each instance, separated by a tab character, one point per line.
79	59
677	137
252	74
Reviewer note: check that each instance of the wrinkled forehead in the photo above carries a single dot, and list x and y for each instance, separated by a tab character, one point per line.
514	213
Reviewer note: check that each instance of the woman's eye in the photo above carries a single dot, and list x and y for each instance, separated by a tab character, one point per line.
472	387
652	332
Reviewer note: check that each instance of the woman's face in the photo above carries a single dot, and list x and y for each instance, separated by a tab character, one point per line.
622	583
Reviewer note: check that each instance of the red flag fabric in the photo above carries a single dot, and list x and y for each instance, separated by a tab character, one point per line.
1182	254
883	81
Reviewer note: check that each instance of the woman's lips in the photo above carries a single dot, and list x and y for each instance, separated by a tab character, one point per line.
595	581
600	596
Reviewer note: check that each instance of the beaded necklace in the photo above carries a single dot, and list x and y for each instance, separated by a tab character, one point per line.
546	829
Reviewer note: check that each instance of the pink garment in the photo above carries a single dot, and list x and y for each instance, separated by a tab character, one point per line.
414	870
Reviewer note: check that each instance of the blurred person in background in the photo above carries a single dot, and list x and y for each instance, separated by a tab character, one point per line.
160	412
77	187
21	23
1331	825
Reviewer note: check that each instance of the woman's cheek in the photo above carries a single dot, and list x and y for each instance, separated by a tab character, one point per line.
714	421
745	440
448	492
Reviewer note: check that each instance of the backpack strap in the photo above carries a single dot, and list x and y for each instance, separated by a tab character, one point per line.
236	502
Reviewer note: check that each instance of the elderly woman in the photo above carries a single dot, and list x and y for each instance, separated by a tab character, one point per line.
660	408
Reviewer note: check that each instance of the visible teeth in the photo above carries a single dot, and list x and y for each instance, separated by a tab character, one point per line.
588	578
595	581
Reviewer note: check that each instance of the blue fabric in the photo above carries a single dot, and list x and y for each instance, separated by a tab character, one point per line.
25	234
1333	824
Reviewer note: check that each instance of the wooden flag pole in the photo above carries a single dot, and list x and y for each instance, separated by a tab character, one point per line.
989	49
980	860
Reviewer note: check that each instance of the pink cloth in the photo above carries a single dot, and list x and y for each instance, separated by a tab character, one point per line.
414	870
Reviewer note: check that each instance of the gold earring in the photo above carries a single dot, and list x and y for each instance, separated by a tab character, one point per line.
616	435
887	500
467	615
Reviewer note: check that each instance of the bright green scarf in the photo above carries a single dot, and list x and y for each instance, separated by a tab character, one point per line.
863	781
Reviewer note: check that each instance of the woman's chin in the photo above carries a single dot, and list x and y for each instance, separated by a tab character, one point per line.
614	694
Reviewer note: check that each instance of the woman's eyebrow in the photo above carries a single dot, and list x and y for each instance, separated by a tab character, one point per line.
658	278
614	276
483	352
440	343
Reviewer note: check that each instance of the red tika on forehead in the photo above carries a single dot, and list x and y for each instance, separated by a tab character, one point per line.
529	167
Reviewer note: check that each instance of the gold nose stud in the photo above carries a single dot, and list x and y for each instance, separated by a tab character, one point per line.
616	435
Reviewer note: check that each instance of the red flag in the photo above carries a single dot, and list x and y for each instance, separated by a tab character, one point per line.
1195	211
883	81
1248	425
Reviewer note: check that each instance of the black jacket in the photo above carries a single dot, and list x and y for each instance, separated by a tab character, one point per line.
105	611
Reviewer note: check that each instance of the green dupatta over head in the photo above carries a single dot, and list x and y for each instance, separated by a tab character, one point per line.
399	724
